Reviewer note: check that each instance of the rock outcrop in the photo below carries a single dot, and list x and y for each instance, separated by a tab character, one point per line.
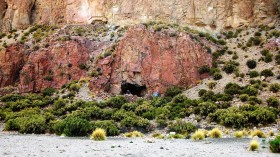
205	14
56	65
143	58
18	13
12	60
152	61
2	11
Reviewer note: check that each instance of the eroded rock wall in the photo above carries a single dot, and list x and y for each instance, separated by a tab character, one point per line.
154	60
55	66
205	14
12	60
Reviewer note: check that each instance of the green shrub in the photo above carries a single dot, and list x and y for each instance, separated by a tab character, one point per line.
253	74
244	116
232	89
230	67
212	85
201	92
209	96
258	34
217	76
74	87
11	97
136	122
116	102
145	107
268	58
72	126
176	136
267	73
252	64
244	97
143	123
181	127
250	90
273	102
12	125
204	69
59	104
275	87
48	91
207	108
121	114
173	91
109	126
19	105
83	66
265	52
32	124
274	145
253	100
254	41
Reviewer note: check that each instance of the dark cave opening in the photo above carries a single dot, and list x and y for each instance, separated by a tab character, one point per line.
134	89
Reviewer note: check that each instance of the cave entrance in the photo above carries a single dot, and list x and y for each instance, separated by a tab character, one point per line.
134	89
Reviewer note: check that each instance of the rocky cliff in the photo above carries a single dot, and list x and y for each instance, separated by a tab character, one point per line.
205	14
114	60
152	61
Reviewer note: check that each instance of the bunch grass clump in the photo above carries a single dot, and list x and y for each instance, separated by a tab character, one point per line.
134	134
216	133
158	136
198	135
254	145
258	133
271	133
98	135
245	132
176	136
239	134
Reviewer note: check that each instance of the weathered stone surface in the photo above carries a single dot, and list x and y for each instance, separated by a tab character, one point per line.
55	66
12	60
2	11
205	14
152	59
49	12
156	60
18	13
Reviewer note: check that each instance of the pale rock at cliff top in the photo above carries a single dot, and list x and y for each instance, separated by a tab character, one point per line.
203	14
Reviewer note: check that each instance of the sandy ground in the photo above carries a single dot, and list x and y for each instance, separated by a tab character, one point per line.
13	145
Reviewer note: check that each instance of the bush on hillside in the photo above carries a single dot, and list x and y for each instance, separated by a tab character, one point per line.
173	91
273	102
109	126
181	127
72	126
251	64
116	102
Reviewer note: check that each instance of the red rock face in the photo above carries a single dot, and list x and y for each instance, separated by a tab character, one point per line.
151	60
154	60
12	60
55	66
